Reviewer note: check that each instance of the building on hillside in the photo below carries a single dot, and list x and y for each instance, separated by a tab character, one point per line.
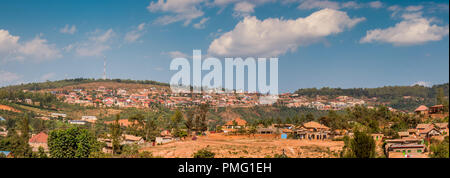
403	134
422	109
91	119
38	140
8	154
442	127
3	131
436	109
378	137
313	131
77	122
58	115
427	131
235	124
405	148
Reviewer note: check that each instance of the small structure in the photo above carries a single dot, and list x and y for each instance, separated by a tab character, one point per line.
403	134
377	137
236	124
38	140
90	119
427	131
77	122
8	154
436	109
58	115
269	130
405	148
422	109
313	131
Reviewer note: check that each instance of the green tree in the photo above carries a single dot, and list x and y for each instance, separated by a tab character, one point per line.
41	153
440	150
72	143
362	146
116	135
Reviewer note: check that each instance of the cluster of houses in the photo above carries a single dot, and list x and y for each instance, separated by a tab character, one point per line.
144	98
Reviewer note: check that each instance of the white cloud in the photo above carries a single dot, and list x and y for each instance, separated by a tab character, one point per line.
48	76
35	50
177	54
422	83
201	24
68	30
414	8
133	35
181	10
243	9
273	36
96	44
8	77
376	4
413	29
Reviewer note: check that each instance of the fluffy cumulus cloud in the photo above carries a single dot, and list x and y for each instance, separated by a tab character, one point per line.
8	77
133	35
179	10
35	50
68	29
412	30
96	44
273	36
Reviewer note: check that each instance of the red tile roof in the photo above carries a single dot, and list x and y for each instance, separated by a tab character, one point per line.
238	120
421	108
39	138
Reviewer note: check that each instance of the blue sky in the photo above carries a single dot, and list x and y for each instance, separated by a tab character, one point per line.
320	43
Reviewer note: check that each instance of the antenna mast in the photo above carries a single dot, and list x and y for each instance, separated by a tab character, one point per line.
104	67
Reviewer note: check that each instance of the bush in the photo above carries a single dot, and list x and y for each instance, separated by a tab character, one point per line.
204	153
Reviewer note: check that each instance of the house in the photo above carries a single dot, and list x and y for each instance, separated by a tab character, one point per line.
164	139
422	109
377	137
405	148
427	131
38	140
90	119
436	109
232	125
131	139
313	131
8	154
403	134
77	122
442	127
3	131
269	130
126	140
58	115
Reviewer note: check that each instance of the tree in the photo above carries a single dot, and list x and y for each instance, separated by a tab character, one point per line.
440	150
176	118
116	135
362	146
72	143
189	123
41	153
